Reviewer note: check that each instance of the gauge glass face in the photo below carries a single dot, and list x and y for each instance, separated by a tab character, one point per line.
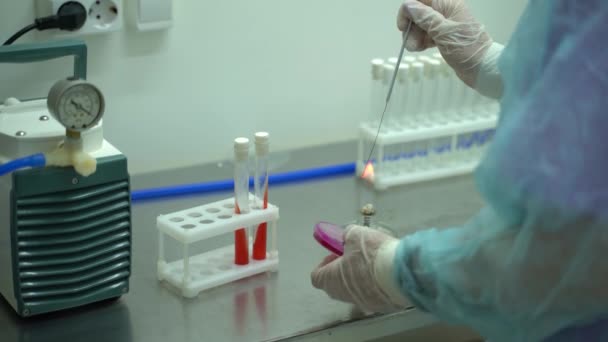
80	107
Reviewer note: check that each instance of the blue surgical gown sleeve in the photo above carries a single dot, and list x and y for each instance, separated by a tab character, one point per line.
531	265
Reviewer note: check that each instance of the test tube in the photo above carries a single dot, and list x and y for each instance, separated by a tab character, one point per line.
432	68
390	118
408	91
459	93
414	106
377	94
241	196
411	79
470	103
445	87
401	88
403	79
261	192
385	124
426	153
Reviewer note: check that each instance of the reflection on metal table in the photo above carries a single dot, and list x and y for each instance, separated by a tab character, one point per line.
267	307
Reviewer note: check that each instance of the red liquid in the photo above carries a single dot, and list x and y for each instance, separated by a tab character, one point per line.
241	245
259	244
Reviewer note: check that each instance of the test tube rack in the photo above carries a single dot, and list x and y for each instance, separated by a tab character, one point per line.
197	273
433	150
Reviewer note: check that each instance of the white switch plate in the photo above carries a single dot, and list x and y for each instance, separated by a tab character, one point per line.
104	16
154	14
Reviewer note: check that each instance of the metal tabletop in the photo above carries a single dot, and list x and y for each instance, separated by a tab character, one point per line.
267	307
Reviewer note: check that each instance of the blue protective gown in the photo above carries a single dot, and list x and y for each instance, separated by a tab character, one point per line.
533	264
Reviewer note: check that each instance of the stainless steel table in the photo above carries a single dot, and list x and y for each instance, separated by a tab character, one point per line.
269	307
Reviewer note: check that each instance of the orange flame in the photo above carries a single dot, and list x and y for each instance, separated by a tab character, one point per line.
368	171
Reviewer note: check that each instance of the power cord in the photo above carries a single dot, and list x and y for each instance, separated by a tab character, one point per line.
71	16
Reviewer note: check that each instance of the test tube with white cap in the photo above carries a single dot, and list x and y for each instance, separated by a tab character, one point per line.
390	119
262	148
241	196
408	90
401	87
427	153
445	87
404	82
443	147
390	124
406	108
414	106
460	93
377	91
470	103
432	70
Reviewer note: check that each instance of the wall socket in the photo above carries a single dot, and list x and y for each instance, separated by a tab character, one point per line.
103	15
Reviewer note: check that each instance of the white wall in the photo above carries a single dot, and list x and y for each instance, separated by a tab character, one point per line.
298	69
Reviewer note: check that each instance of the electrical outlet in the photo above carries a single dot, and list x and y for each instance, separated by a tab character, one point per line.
103	15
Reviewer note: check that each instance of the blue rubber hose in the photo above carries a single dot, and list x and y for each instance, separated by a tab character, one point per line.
36	160
227	185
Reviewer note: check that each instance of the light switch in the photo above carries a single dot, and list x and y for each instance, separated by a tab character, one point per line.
154	14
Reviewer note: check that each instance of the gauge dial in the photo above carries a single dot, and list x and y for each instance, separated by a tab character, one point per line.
77	105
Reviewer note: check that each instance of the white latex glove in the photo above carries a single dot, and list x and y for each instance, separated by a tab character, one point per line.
449	25
364	274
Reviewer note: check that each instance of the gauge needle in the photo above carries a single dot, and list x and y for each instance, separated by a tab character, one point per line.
80	107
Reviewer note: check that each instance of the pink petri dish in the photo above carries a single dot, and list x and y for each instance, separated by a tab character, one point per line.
330	236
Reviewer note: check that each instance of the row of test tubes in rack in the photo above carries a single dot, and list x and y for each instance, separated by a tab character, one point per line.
427	92
434	125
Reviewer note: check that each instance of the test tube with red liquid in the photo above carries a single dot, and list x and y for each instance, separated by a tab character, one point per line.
261	192
241	196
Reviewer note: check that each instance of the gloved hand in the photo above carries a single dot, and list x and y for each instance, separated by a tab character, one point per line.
364	274
449	25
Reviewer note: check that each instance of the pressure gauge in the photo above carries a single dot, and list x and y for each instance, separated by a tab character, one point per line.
76	104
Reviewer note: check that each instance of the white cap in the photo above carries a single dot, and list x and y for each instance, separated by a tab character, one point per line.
431	67
393	60
403	72
438	56
408	59
377	69
388	73
416	71
241	149
261	143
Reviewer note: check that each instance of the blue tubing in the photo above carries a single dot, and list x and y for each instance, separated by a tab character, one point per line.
228	185
36	160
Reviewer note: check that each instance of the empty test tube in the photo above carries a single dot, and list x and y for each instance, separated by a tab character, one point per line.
401	88
431	71
431	92
445	87
390	117
390	124
377	94
414	105
409	100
